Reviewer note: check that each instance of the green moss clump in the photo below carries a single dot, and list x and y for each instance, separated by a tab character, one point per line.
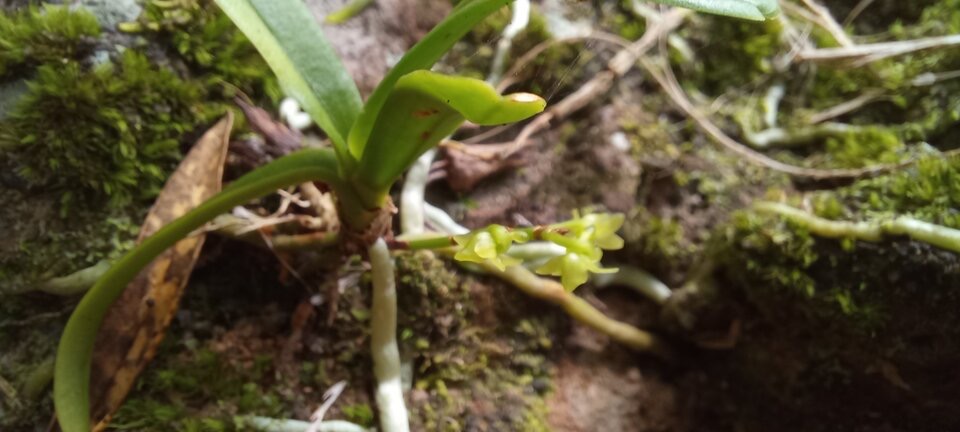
112	132
928	190
174	387
469	344
923	107
732	53
821	317
212	46
657	244
44	35
865	147
360	414
34	252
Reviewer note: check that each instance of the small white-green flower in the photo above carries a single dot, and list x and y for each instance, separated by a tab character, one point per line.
605	226
599	229
573	269
489	245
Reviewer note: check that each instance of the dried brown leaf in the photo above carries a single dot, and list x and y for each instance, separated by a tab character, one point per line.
135	325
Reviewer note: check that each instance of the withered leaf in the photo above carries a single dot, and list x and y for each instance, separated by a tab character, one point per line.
468	165
134	327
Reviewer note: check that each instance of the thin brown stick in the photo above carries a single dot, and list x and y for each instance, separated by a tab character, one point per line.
669	83
864	54
829	23
847	106
601	82
856	11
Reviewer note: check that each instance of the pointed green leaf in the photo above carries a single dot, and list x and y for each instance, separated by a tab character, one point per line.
425	107
293	44
756	10
422	56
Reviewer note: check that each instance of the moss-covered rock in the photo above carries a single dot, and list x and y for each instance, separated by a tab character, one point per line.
834	334
478	355
109	133
35	35
83	139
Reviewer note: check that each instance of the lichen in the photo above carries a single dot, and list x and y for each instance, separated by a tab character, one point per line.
51	34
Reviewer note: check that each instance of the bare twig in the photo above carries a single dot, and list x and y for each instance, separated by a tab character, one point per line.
829	24
847	106
239	228
668	82
860	55
856	11
600	83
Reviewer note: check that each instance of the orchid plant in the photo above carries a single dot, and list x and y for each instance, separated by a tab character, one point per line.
372	145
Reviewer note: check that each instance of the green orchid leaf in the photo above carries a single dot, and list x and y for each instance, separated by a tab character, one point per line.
423	108
293	44
421	56
71	386
756	10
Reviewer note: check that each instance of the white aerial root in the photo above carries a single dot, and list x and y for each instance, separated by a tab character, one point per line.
267	424
291	113
518	22
411	198
383	341
638	280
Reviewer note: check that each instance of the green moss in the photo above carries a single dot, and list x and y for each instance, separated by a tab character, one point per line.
360	414
221	56
868	306
819	314
50	34
865	147
111	133
732	53
469	344
924	112
174	388
34	252
657	244
928	190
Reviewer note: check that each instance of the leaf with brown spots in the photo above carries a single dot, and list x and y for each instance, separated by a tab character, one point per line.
136	323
